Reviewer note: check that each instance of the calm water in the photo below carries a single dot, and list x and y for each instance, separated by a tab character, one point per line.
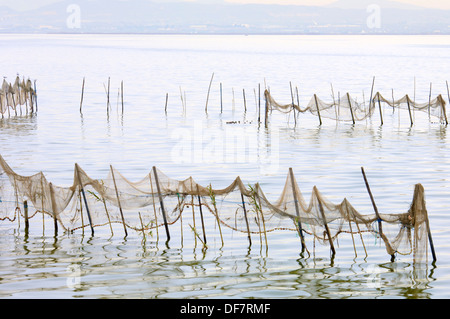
181	143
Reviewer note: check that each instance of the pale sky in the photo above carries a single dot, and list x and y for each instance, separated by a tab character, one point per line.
439	4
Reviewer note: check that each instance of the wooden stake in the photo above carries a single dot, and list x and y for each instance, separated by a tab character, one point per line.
154	206
207	97
121	94
201	215
52	197
266	120
379	106
429	102
221	99
27	223
380	227
118	201
167	99
293	108
82	95
161	203
350	106
259	103
409	109
325	221
246	220
317	107
84	197
245	101
300	229
430	239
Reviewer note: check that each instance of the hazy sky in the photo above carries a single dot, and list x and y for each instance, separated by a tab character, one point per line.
440	4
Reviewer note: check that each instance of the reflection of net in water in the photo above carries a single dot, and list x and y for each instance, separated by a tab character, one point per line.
159	201
345	108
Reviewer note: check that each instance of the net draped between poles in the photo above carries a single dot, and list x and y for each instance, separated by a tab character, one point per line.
346	108
13	95
143	206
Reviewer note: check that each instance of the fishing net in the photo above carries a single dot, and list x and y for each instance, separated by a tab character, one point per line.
12	96
345	108
158	201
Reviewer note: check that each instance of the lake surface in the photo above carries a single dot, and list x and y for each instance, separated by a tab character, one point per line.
395	157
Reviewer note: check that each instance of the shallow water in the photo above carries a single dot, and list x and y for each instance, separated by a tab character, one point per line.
395	157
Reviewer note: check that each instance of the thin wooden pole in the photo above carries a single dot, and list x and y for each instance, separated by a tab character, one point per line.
107	94
52	197
245	100
380	227
266	119
297	210
221	99
82	95
35	96
262	215
161	203
209	89
259	103
293	108
430	239
84	198
142	226
25	209
246	220
429	101
154	206
201	214
167	99
327	229
118	201
350	106
379	106
121	94
409	109
317	107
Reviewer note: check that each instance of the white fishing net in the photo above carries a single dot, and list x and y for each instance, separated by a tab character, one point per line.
159	201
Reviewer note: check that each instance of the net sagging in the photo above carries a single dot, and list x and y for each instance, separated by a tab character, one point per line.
345	108
14	95
158	200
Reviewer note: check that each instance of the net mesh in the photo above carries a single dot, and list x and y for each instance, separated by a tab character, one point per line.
158	200
346	108
12	96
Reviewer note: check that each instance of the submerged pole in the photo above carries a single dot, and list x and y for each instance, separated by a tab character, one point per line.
327	229
379	106
52	198
161	203
84	198
25	209
380	227
350	106
201	214
82	95
118	201
317	107
209	89
167	99
409	109
430	239
293	107
221	98
246	220
300	229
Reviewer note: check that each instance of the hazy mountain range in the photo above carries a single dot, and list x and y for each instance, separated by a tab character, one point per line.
145	16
